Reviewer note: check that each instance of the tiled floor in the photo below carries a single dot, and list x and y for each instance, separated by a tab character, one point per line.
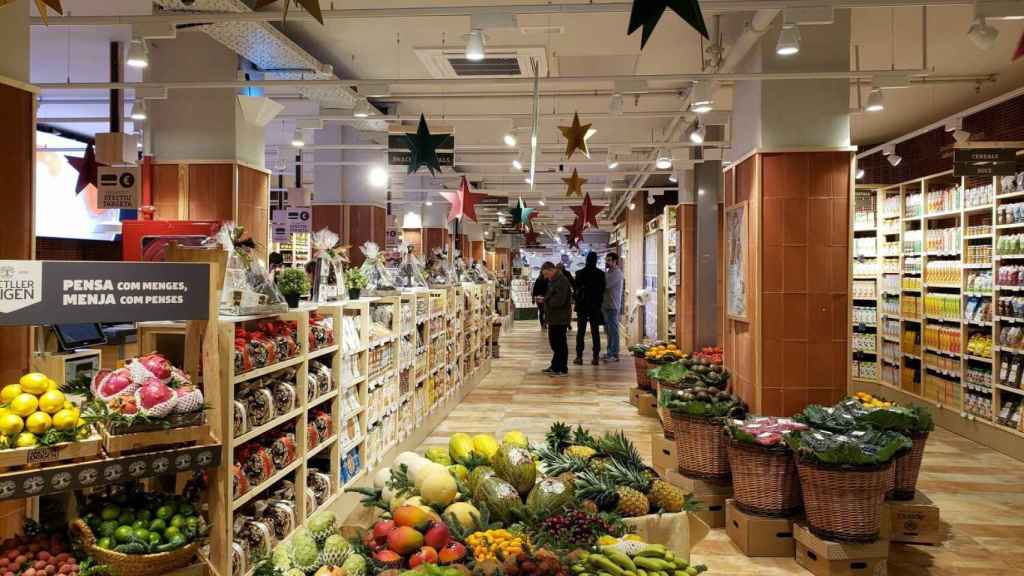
980	492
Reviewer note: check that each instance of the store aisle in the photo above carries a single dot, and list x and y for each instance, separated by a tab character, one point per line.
980	492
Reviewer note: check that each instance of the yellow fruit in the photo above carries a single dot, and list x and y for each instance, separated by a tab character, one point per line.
26	440
10	392
34	383
51	384
51	401
11	424
39	423
62	420
24	404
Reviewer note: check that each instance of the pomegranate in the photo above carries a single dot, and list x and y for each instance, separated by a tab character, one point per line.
155	398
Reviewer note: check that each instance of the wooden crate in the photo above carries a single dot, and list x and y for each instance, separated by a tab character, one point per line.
133	441
13	459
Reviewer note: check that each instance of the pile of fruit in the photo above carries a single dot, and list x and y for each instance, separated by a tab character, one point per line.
663	353
762	430
712	354
316	549
870	401
414	536
703	401
626	556
133	521
39	555
146	389
35	411
492	544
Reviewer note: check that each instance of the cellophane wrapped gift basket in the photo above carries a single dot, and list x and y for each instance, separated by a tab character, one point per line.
380	282
248	286
329	269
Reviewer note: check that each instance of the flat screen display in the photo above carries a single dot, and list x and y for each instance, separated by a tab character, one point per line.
73	336
60	211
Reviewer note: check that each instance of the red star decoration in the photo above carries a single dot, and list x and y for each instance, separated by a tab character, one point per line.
575	231
1020	49
463	201
87	168
586	213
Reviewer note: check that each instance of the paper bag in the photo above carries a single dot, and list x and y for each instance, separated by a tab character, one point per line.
678	532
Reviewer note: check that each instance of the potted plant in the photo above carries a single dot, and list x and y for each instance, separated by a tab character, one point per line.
293	282
355	281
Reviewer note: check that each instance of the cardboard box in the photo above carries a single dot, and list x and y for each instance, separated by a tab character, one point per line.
634	396
694	486
827	558
915	521
663	452
712	509
759	535
647	404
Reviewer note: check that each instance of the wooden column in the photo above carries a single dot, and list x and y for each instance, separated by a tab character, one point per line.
633	265
686	219
434	238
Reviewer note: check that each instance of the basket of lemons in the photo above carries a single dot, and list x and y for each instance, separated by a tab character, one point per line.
40	423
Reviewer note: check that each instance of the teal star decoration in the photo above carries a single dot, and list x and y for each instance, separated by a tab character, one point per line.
423	148
521	214
646	14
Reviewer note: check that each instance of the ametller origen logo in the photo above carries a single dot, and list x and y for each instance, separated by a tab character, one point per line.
21	285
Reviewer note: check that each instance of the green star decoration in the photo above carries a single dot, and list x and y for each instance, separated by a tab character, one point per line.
423	148
521	214
646	14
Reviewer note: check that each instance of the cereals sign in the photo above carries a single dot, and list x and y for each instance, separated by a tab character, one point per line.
34	292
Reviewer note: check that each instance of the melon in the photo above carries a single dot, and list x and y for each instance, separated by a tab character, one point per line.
500	497
421	473
407	458
549	497
478	475
515	465
439	488
460	446
380	479
465	514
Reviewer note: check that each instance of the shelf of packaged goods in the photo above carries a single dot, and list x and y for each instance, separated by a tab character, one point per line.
943	214
1010	389
978	322
942	286
910	254
942	352
255	432
890	216
942	319
346	417
914	290
1010	226
1009	319
914	319
977	358
354	443
322	351
353	384
321	399
1008	195
245	376
978	237
943	372
888	360
871	352
977	293
864	228
891	338
1010	288
976	265
1009	349
889	293
864	277
912	356
256	490
383	340
312	452
911	272
974	209
1009	256
360	350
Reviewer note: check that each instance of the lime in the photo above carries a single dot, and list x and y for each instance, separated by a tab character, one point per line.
164	512
104	543
10	392
126	517
171	532
187	509
192	522
139	524
177	521
93	521
124	534
108	527
142	534
11	424
110	512
157	525
154	538
24	404
177	541
34	383
144	515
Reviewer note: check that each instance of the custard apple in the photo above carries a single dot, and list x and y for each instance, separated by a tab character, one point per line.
355	565
321	525
336	550
305	554
281	559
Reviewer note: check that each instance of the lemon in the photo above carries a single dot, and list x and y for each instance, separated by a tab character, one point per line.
62	420
11	424
51	384
51	401
4	411
10	392
38	423
24	404
34	383
26	440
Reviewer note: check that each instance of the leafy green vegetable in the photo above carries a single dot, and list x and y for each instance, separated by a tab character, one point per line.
851	415
854	448
674	372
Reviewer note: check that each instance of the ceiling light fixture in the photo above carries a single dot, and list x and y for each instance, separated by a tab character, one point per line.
138	56
632	206
542	202
607	188
378	177
429	203
298	140
362	108
517	164
860	173
138	110
789	40
703	99
981	33
894	159
650	199
616	104
664	161
510	140
961	136
672	178
613	161
475	45
528	180
875	100
697	133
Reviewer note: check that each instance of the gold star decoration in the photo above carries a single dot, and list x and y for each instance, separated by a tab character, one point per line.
574	184
576	136
41	5
311	6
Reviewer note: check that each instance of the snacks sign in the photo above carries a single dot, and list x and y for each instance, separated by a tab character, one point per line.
35	292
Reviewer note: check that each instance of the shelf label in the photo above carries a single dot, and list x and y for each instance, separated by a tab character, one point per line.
984	169
984	155
37	292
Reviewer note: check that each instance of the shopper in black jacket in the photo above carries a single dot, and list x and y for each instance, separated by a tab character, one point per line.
589	296
540	288
558	301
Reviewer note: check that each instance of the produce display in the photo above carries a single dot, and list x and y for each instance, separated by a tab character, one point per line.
148	390
36	412
38	555
658	352
762	430
131	521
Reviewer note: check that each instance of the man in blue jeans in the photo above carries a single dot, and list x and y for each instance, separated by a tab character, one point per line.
611	306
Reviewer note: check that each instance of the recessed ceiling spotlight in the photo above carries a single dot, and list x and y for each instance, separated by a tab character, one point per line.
138	110
138	56
378	176
528	180
860	173
298	141
894	159
475	45
616	104
981	33
362	108
875	100
789	40
632	205
429	203
664	161
510	139
703	100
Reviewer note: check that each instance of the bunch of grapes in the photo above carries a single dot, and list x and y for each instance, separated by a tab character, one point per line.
575	526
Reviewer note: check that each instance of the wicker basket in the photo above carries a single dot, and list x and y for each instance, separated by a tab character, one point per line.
843	504
907	468
642	381
133	564
700	448
764	480
664	414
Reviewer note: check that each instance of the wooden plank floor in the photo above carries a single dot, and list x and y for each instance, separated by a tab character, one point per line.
980	492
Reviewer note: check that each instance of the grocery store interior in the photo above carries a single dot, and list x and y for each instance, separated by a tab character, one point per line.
510	287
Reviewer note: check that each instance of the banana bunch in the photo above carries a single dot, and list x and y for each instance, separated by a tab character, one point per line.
652	560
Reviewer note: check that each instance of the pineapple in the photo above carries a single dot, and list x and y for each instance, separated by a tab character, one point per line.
666	497
632	485
616	445
631	502
558	436
558	464
598	488
597	464
584	452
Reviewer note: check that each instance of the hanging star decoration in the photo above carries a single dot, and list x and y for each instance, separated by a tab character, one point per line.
463	201
647	13
575	233
586	213
423	148
311	6
87	168
41	5
521	215
576	136
531	239
574	184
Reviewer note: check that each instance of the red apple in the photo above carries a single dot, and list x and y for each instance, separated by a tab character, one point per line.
425	555
437	536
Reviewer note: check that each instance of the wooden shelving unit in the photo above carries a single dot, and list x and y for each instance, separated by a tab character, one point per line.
655	312
928	256
668	289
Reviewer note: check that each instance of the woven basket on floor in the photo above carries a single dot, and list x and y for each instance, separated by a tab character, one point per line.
907	468
700	448
764	479
664	414
133	564
642	381
843	503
